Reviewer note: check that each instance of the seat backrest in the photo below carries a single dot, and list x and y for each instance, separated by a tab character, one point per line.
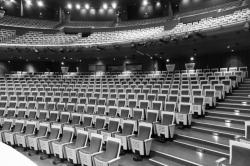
184	108
42	131
124	112
76	118
128	127
64	117
113	125
95	143
112	148
101	109
6	125
30	128
152	116
167	118
100	122
87	121
198	100
67	134
54	132
137	114
170	106
112	111
81	138
239	153
145	130
247	130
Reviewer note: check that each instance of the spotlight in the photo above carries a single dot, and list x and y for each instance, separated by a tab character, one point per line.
167	60
87	6
28	3
78	6
105	6
40	3
144	2
158	4
191	58
114	5
69	6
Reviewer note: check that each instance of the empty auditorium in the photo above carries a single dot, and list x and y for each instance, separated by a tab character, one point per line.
124	83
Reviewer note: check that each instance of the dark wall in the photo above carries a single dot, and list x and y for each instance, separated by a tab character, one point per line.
190	5
148	64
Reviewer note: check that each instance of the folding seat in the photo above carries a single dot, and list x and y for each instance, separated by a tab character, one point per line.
239	152
219	91
128	90
162	98
60	107
58	145
71	150
11	110
64	117
112	90
197	92
64	99
21	138
156	105
185	92
21	110
137	115
111	102
175	86
144	104
30	98
81	94
4	98
42	93
111	155
86	154
92	101
170	106
99	125
206	87
13	98
105	95
83	100
113	95
113	127
132	103
45	142
146	90
90	109
74	100
21	98
101	110
75	118
39	98
80	108
7	125
124	113
120	90
112	111
210	98
9	136
70	107
199	105
173	98
140	96
137	90
142	142
185	99
185	86
166	86
87	121
166	127
184	114
227	85
130	96
174	92
122	95
3	107
53	116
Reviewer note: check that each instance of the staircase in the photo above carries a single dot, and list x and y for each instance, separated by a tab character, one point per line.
208	139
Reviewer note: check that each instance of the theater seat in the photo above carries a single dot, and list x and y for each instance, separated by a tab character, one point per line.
21	138
58	145
141	144
45	143
9	136
239	155
111	156
6	126
113	127
184	114
99	125
32	140
198	105
126	134
71	150
165	129
86	154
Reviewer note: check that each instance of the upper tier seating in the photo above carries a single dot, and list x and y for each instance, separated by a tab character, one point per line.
41	38
6	35
89	24
135	35
27	23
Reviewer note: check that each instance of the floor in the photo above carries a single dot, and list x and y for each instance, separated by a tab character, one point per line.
126	160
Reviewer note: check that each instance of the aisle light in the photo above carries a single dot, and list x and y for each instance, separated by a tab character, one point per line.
28	3
40	3
105	6
69	6
87	6
114	5
78	6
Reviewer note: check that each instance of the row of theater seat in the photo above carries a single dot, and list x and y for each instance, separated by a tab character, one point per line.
6	35
125	36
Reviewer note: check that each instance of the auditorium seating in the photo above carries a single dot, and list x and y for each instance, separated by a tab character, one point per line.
27	23
177	98
6	35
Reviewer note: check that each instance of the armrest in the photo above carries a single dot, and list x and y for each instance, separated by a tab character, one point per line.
220	161
113	160
148	140
94	154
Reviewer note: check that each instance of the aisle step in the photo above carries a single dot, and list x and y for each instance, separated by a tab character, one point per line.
227	114
223	119
180	153
233	105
